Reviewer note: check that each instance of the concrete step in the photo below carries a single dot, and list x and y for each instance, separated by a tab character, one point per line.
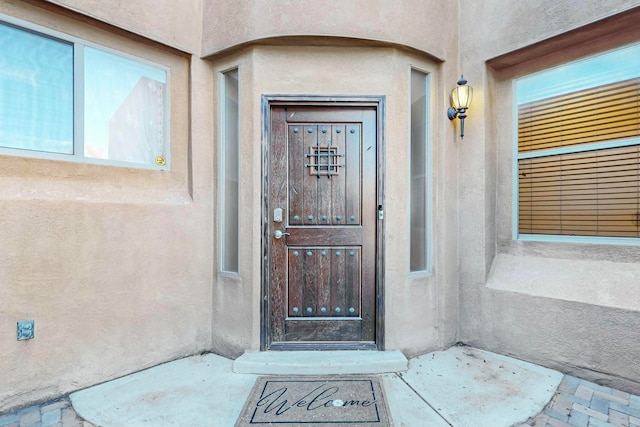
320	362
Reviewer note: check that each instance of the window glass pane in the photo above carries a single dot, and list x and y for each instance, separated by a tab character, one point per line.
124	108
36	92
230	168
607	68
578	148
419	176
589	193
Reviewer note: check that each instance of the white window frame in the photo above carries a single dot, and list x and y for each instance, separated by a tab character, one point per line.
516	156
222	167
78	101
428	262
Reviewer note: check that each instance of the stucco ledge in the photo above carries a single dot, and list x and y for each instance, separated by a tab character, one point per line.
318	40
603	283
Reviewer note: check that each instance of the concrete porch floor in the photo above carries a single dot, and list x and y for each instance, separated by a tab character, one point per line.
459	387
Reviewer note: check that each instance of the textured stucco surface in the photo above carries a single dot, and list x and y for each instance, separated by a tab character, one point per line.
176	24
113	264
583	282
306	70
518	24
117	266
539	306
417	24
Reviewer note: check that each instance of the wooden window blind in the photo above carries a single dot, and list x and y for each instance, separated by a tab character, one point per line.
599	114
588	192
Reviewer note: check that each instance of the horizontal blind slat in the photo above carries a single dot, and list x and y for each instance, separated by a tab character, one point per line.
593	115
592	193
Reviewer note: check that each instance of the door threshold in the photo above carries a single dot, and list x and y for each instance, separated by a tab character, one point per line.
320	362
322	346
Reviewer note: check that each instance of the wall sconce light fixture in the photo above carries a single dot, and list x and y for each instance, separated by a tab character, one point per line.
460	101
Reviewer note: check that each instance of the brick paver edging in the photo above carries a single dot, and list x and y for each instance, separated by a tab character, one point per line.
581	403
58	413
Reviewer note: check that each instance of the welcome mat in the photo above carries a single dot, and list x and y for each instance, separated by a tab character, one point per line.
311	401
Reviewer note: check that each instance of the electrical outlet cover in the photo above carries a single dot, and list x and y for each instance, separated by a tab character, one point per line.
25	330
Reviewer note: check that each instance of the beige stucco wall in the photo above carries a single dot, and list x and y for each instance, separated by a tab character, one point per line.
175	23
532	299
420	310
114	264
118	266
429	26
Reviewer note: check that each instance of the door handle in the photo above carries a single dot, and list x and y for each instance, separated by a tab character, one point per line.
278	234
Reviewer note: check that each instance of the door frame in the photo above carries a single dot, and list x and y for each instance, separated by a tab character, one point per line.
377	102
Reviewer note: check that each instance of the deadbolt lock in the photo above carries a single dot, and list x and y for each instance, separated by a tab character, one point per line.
277	215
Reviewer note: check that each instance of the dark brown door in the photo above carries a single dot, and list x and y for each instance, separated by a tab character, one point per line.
322	227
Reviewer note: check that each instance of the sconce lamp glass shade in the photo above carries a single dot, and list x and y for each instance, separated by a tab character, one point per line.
461	96
460	100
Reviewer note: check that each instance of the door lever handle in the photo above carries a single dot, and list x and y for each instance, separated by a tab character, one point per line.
278	234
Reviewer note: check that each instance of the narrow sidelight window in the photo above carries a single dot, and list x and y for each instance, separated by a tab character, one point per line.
419	175
229	172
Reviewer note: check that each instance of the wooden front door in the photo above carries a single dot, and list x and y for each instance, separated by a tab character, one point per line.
322	214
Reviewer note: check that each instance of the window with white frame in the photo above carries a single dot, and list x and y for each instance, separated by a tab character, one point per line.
229	168
420	182
63	98
577	151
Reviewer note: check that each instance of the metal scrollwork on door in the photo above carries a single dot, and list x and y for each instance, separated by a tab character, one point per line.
324	161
